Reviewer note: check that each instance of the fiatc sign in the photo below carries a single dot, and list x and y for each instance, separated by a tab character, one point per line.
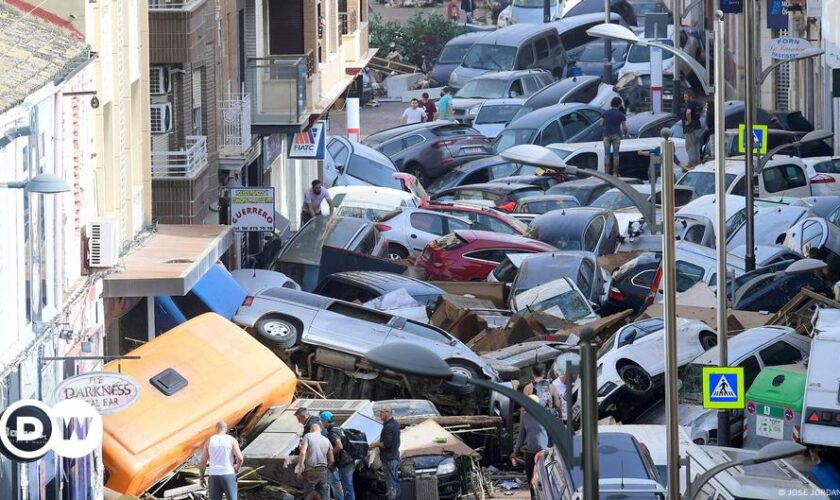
29	429
308	145
108	392
252	209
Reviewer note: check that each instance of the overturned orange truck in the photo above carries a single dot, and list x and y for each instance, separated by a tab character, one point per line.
192	376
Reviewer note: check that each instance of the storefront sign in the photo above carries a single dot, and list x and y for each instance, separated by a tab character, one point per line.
308	145
786	48
106	391
777	14
732	6
252	209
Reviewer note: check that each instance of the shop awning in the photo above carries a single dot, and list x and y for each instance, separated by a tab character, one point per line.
170	262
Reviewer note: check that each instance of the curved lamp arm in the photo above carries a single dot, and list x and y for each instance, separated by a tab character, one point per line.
702	479
699	70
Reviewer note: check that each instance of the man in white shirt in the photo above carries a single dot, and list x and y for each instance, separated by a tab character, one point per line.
312	199
413	113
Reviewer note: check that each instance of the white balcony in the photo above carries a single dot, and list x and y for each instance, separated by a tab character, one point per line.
173	5
183	164
235	113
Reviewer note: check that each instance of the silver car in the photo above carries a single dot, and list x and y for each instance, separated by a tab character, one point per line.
285	318
408	230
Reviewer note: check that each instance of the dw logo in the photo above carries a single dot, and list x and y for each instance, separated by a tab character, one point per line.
29	429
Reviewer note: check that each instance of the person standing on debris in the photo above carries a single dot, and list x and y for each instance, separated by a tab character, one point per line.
389	454
533	437
413	113
692	129
541	387
306	420
316	456
445	105
429	107
453	12
341	477
614	123
222	452
312	199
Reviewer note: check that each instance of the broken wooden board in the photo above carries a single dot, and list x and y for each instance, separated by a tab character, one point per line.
797	313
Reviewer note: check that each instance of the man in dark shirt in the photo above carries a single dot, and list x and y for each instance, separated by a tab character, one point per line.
429	107
692	128
389	445
307	420
614	123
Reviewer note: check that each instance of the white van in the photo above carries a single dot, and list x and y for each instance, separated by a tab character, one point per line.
782	176
821	407
590	155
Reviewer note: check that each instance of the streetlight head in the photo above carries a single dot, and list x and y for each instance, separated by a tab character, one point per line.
809	53
666	133
816	135
613	32
532	154
719	15
409	359
776	451
46	184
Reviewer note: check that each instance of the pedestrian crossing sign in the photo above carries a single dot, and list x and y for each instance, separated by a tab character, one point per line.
723	388
759	139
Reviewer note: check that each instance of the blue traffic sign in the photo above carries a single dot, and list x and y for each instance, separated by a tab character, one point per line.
723	387
759	139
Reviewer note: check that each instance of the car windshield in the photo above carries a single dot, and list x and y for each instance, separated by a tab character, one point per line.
612	200
593	52
703	182
372	172
453	54
557	298
484	89
492	57
447	180
543	206
641	53
496	114
513	137
692	383
532	4
305	247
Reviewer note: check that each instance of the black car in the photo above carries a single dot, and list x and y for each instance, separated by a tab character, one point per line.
503	195
587	189
474	172
792	120
631	284
452	54
589	229
365	286
771	291
543	182
734	116
649	124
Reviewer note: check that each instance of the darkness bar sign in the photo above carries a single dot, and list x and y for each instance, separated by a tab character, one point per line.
732	6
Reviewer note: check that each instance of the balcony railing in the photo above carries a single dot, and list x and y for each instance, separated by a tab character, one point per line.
280	87
348	22
236	124
170	5
181	164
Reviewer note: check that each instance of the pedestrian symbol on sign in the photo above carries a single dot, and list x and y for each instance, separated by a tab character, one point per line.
723	388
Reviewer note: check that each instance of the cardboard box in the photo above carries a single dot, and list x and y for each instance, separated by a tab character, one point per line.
496	293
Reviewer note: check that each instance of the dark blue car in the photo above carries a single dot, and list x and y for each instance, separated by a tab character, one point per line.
451	56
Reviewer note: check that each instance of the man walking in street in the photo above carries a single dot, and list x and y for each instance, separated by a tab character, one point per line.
468	6
413	113
445	105
692	128
389	454
341	475
614	123
534	438
312	199
429	107
453	13
316	455
222	452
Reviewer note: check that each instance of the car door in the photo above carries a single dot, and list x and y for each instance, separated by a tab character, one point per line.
349	328
411	332
336	162
392	150
573	125
424	227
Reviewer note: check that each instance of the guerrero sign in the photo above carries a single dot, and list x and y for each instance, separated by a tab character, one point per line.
106	391
252	209
786	48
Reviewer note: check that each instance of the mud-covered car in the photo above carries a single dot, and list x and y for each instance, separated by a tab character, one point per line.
339	334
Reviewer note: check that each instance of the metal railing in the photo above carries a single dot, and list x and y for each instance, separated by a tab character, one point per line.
173	4
235	112
280	87
347	22
185	163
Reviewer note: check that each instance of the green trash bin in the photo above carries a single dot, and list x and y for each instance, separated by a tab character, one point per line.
774	406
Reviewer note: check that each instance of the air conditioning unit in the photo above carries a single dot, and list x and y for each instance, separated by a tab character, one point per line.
161	115
104	243
159	82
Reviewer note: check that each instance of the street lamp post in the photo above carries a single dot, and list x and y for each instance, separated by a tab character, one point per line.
773	451
40	184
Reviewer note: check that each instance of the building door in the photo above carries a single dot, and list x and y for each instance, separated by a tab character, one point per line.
285	19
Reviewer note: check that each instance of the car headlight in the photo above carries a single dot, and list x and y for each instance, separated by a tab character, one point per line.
446	466
453	78
606	389
471	112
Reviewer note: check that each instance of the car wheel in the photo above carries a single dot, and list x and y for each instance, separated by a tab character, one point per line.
708	340
396	252
416	170
461	369
278	331
635	378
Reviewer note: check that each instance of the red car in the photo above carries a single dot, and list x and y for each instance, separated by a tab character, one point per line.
484	219
467	255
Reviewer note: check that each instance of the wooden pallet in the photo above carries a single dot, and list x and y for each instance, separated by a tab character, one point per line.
389	66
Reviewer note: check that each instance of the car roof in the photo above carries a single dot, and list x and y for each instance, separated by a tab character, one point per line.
571	22
471	235
573	219
618	456
645	143
515	34
504	101
736	164
560	261
590	182
468	38
506	75
546	197
364	151
493	186
551	93
539	117
393	132
745	343
638	120
385	282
